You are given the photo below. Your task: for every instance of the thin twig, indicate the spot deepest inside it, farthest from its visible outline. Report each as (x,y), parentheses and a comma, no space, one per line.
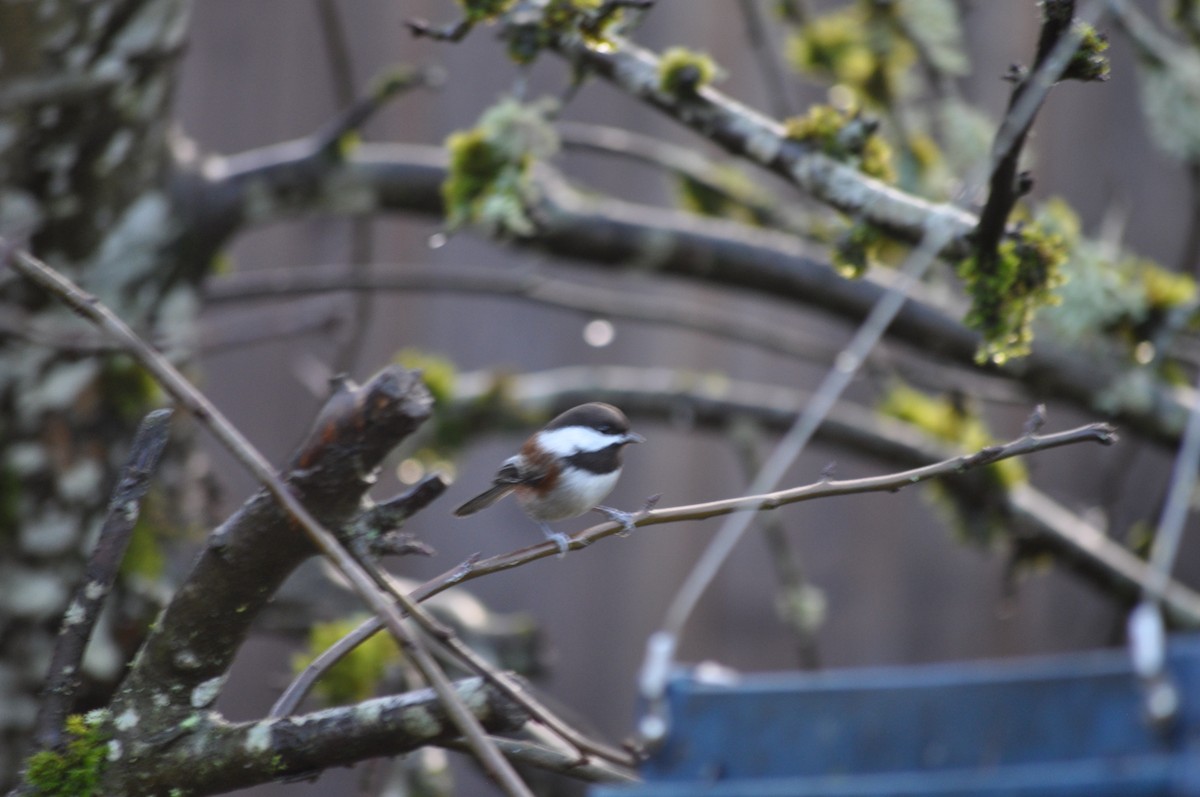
(768,60)
(1095,432)
(341,72)
(507,686)
(1033,506)
(533,286)
(245,453)
(543,757)
(764,206)
(65,673)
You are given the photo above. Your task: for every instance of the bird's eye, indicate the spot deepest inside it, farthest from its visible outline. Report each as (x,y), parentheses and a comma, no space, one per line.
(606,429)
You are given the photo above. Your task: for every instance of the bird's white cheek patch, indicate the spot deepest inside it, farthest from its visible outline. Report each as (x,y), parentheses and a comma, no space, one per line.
(573,439)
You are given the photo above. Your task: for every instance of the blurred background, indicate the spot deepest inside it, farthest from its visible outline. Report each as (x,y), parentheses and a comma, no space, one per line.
(897,586)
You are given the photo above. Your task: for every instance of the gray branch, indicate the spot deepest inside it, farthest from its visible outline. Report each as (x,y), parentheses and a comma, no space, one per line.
(288,179)
(238,755)
(744,132)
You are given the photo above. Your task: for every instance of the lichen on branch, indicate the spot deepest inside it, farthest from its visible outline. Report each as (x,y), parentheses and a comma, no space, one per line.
(1006,296)
(488,182)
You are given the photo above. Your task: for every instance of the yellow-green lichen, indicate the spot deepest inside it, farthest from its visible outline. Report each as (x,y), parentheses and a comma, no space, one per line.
(75,769)
(1090,61)
(1005,298)
(846,136)
(438,373)
(483,10)
(1164,289)
(725,193)
(488,179)
(857,47)
(590,20)
(144,558)
(357,676)
(127,388)
(856,249)
(682,71)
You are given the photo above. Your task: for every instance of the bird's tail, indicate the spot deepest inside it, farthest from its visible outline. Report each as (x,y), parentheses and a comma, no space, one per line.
(483,500)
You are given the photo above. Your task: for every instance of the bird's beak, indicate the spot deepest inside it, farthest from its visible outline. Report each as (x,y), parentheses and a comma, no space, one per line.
(634,437)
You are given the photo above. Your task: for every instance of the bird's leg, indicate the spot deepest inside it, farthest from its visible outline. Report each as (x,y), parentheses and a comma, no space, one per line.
(557,537)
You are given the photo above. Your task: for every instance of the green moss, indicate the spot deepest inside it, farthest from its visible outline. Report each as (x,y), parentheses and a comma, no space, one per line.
(1005,298)
(1164,289)
(488,179)
(876,159)
(475,166)
(527,39)
(438,373)
(727,194)
(858,47)
(357,675)
(75,770)
(483,10)
(846,136)
(682,71)
(975,498)
(144,556)
(127,388)
(1090,61)
(856,249)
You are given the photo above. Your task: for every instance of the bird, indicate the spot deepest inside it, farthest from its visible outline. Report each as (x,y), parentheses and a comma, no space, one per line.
(564,470)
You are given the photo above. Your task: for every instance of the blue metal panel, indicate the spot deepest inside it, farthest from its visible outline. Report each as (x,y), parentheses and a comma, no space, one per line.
(1068,725)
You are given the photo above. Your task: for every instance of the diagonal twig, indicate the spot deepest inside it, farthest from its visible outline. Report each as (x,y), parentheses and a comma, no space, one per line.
(245,453)
(505,684)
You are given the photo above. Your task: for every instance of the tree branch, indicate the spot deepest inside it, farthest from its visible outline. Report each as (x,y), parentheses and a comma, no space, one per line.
(64,676)
(744,132)
(238,755)
(266,185)
(1096,432)
(135,694)
(1081,546)
(539,287)
(1005,188)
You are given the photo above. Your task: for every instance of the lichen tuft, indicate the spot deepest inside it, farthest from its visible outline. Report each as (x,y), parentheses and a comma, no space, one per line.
(76,768)
(682,71)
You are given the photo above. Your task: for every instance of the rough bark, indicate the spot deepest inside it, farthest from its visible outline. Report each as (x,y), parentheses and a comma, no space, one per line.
(84,94)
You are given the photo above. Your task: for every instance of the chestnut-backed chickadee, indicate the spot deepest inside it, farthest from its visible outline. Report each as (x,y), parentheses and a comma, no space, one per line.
(564,470)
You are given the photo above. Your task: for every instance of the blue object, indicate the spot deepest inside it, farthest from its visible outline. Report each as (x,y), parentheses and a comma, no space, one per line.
(1066,725)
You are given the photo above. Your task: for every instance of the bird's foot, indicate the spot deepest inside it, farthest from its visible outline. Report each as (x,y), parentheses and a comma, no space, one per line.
(558,538)
(628,520)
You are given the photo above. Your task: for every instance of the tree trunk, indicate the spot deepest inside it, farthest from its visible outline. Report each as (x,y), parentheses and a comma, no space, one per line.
(84,168)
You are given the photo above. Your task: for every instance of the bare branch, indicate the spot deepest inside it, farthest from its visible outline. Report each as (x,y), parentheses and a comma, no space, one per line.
(662,395)
(64,675)
(768,60)
(543,757)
